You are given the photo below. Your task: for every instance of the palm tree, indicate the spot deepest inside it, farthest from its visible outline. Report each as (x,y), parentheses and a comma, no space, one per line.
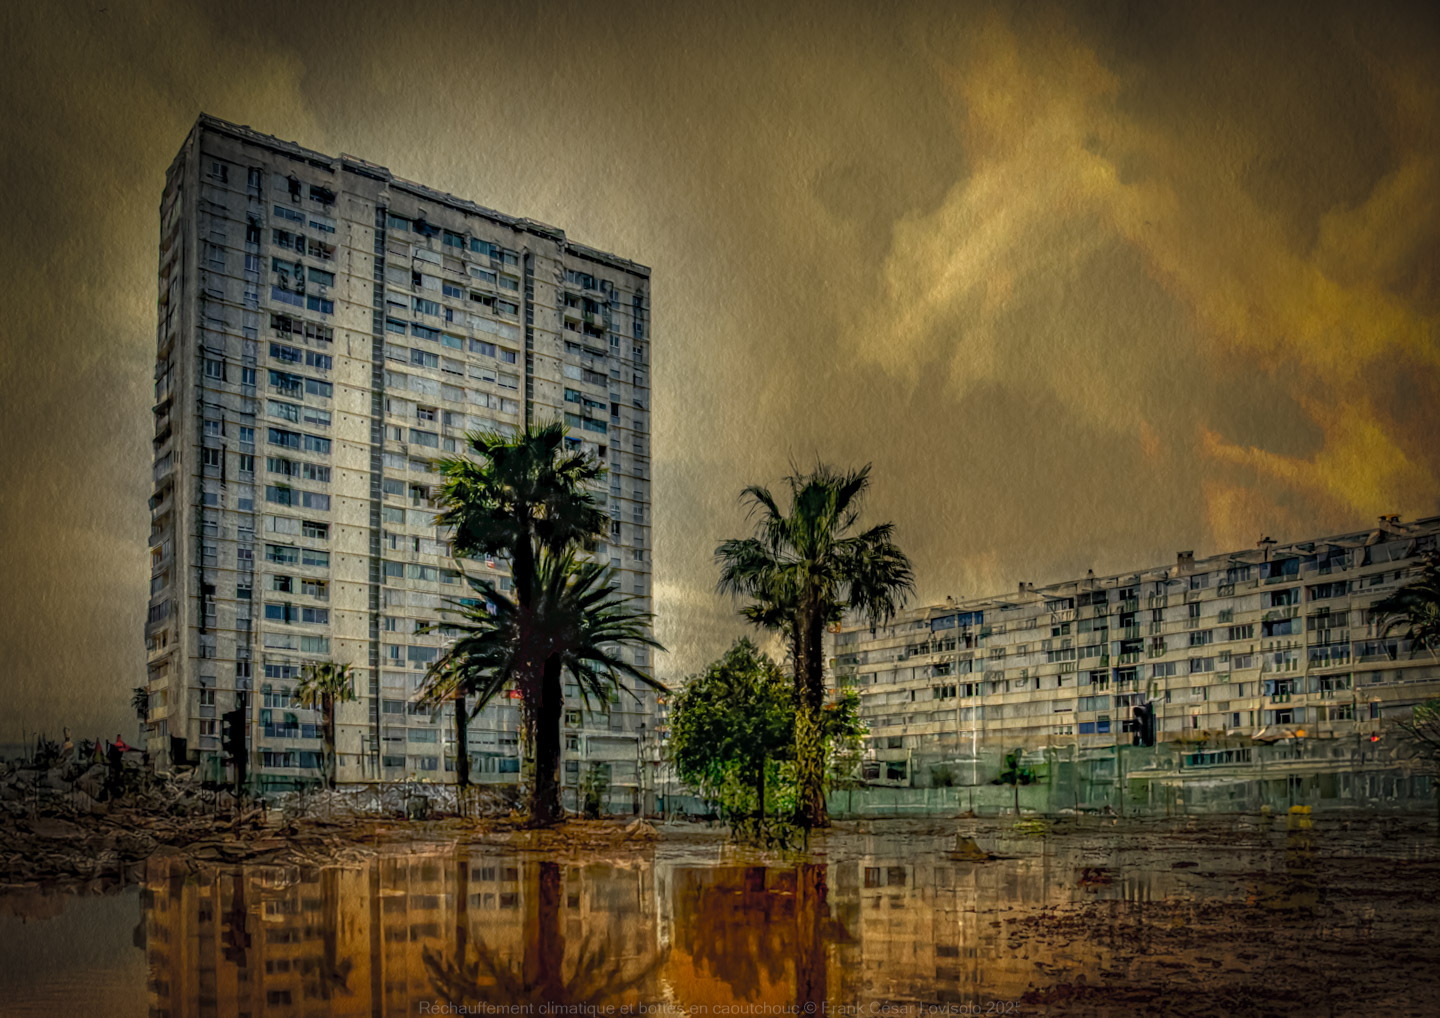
(140,704)
(323,684)
(1416,606)
(802,571)
(522,496)
(577,622)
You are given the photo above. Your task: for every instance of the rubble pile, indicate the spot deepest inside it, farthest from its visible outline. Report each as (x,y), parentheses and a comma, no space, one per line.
(99,822)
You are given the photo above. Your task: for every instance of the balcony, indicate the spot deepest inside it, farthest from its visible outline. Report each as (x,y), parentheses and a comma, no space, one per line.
(1281,613)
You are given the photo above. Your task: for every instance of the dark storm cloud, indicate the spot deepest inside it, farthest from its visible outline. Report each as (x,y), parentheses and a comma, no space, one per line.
(1089,284)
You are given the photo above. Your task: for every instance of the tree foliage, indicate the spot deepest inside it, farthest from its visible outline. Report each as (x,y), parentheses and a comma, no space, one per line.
(323,684)
(1422,731)
(524,499)
(577,623)
(729,723)
(804,569)
(1416,607)
(732,737)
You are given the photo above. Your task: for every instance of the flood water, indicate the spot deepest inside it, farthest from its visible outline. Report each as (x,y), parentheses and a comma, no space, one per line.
(1260,915)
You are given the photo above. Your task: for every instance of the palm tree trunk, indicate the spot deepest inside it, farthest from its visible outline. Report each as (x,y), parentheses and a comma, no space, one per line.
(545,791)
(462,743)
(808,756)
(812,916)
(809,738)
(327,739)
(543,932)
(462,908)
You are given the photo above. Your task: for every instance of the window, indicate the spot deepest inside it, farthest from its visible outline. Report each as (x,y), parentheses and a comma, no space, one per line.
(214,369)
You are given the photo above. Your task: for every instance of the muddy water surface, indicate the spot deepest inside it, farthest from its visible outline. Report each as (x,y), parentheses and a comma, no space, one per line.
(1258,915)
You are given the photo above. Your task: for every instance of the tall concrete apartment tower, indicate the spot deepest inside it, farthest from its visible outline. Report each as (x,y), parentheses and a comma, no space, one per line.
(325,331)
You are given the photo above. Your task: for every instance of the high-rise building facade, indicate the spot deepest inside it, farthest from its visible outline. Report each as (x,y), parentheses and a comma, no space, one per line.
(326,331)
(1271,653)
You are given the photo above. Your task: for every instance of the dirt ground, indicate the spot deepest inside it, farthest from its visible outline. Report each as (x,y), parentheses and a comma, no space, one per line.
(1218,915)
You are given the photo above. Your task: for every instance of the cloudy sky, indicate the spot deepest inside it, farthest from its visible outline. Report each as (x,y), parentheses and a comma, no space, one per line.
(1087,283)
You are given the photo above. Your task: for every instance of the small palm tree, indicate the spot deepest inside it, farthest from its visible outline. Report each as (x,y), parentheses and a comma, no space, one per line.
(1415,606)
(802,571)
(323,684)
(578,622)
(140,704)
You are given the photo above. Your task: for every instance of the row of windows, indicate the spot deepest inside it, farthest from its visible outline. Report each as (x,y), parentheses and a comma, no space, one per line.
(479,346)
(311,302)
(298,440)
(294,355)
(322,223)
(293,613)
(282,554)
(319,589)
(281,495)
(452,239)
(426,359)
(298,468)
(307,331)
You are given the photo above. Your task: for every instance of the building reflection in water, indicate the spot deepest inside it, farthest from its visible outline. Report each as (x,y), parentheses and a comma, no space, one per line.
(918,920)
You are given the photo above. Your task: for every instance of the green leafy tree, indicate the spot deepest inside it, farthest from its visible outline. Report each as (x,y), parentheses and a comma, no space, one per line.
(577,623)
(729,724)
(323,684)
(803,570)
(1416,607)
(844,734)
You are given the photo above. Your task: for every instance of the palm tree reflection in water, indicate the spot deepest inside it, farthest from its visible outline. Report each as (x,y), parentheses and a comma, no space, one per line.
(476,974)
(759,930)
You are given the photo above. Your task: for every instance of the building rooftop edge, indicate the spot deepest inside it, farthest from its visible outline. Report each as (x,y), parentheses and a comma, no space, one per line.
(1248,556)
(364,167)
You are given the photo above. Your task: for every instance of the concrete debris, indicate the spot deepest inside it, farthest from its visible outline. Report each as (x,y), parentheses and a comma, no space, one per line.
(89,821)
(640,828)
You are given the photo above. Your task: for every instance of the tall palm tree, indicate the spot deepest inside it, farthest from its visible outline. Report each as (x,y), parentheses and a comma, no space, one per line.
(577,622)
(323,684)
(519,497)
(1416,606)
(802,571)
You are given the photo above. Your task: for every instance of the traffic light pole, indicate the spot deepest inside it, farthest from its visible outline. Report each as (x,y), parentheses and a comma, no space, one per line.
(236,744)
